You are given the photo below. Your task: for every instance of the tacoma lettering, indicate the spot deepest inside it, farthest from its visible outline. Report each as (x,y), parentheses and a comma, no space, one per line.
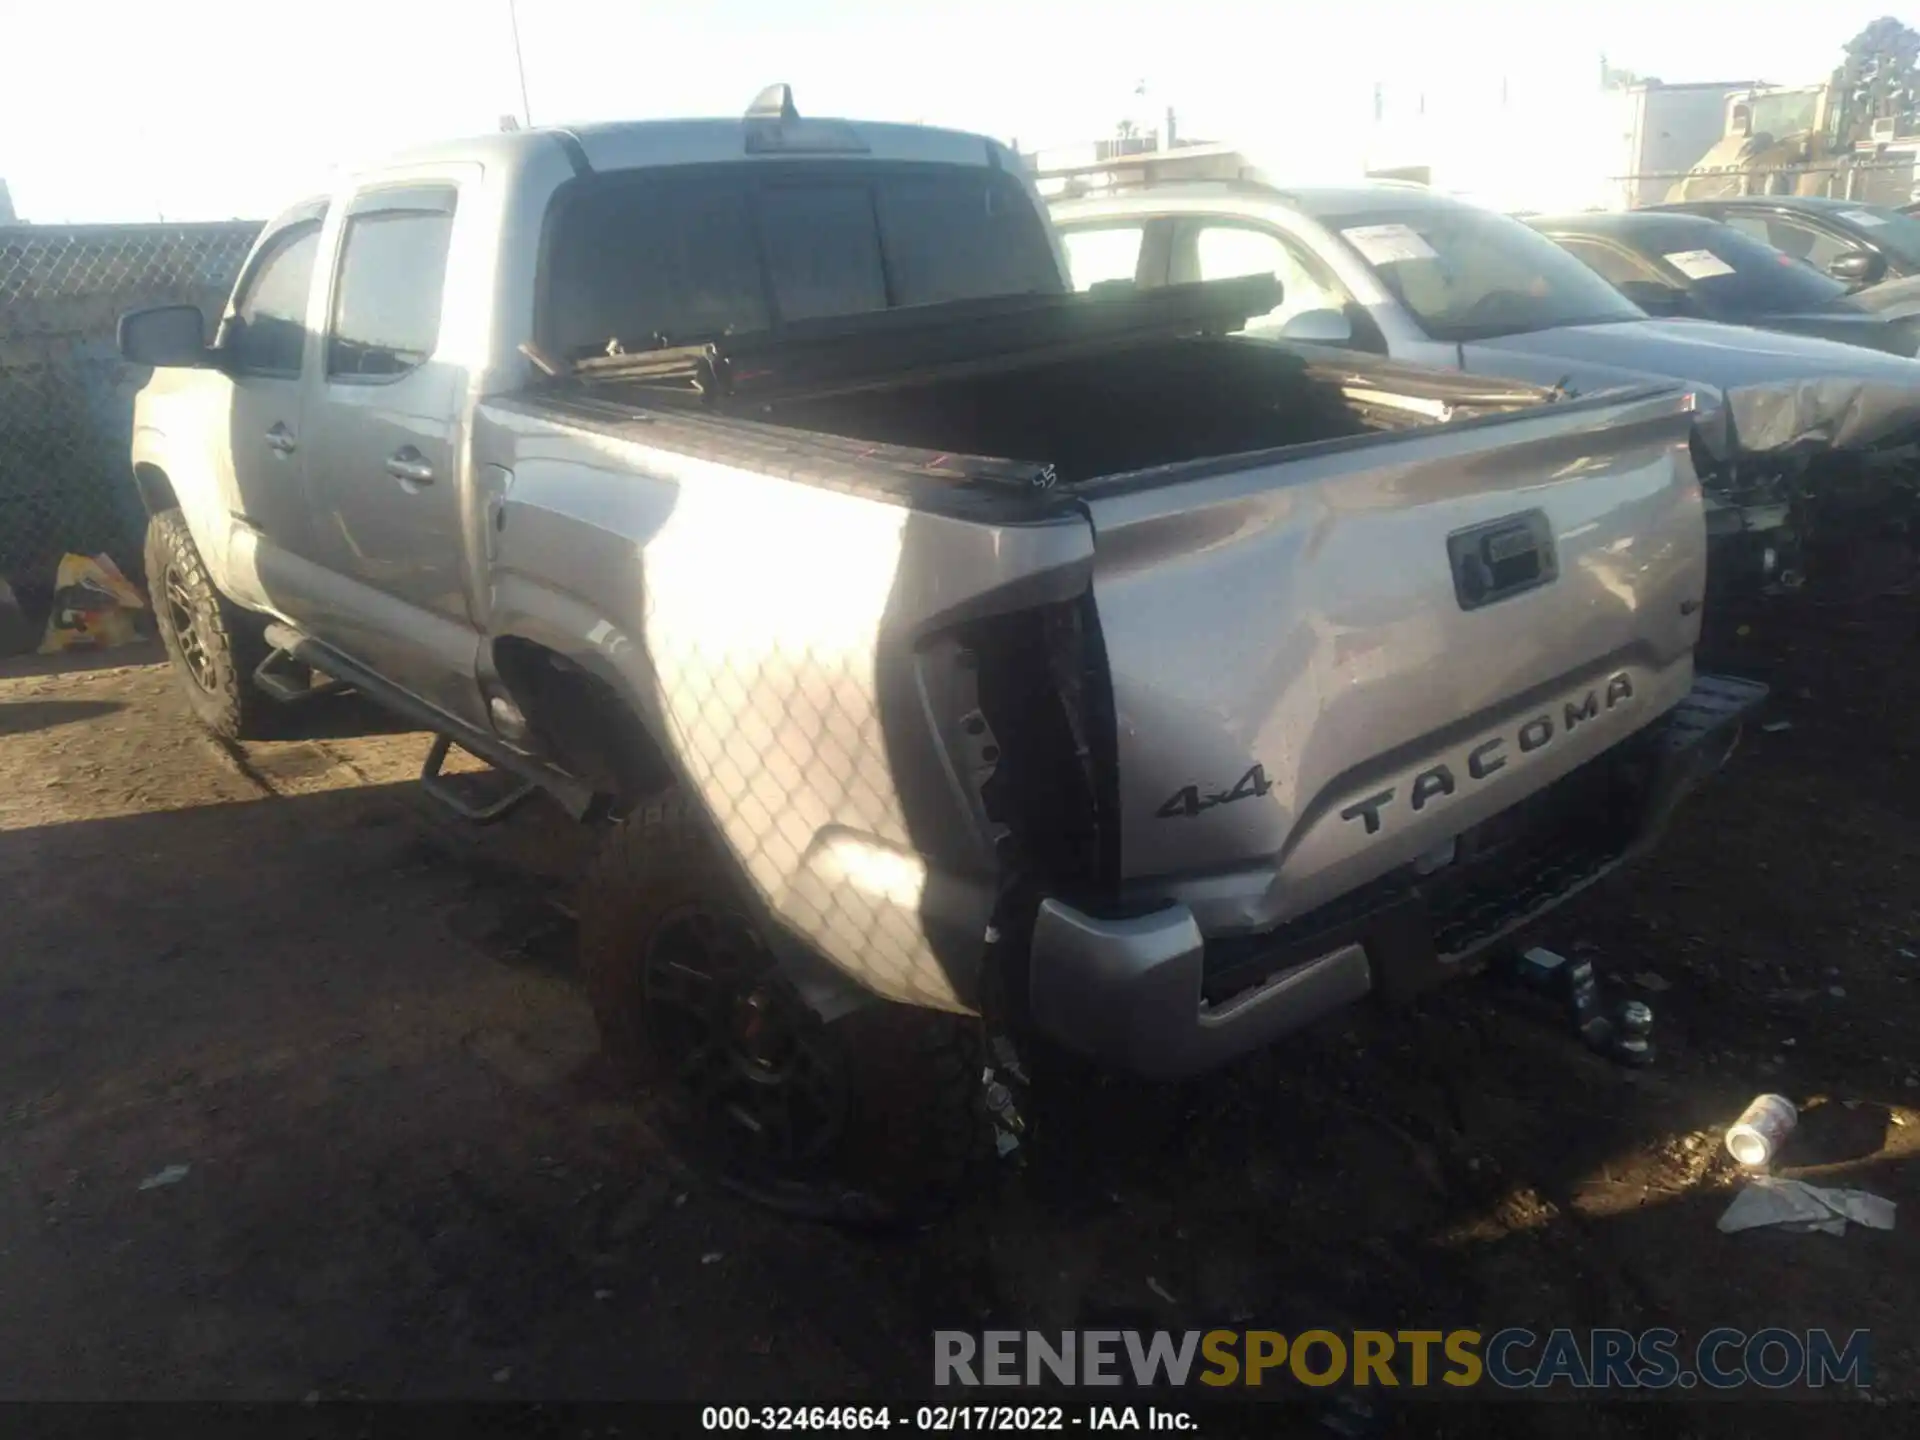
(1536,732)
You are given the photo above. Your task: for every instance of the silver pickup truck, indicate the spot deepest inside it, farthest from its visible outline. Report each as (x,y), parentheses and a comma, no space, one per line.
(928,633)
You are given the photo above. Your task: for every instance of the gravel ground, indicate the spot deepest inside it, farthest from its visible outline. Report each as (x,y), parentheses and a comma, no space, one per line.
(301,1099)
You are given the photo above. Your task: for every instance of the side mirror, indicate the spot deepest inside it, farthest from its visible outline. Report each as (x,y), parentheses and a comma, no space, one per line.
(1651,296)
(1319,327)
(1858,267)
(164,335)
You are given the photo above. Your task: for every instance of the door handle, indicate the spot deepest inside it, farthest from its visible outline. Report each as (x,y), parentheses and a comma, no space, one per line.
(280,439)
(410,465)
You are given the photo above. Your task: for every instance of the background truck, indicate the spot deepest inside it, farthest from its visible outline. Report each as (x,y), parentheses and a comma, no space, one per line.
(958,660)
(1799,440)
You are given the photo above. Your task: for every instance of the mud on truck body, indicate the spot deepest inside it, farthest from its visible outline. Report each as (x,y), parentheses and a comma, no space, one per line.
(958,662)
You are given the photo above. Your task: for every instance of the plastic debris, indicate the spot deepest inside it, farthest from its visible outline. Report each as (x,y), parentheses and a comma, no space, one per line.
(1755,1138)
(713,1257)
(93,606)
(1769,1201)
(1160,1290)
(170,1175)
(1775,727)
(503,1374)
(1649,980)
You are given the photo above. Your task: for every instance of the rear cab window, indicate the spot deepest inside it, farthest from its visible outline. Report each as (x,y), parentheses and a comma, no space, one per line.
(644,261)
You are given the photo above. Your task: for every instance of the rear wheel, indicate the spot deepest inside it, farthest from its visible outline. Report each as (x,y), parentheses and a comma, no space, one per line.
(877,1117)
(214,645)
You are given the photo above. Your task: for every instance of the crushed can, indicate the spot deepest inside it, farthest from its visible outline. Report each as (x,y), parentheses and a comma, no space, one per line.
(1755,1138)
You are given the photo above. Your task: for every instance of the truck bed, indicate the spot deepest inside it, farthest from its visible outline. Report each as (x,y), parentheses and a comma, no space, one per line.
(1091,413)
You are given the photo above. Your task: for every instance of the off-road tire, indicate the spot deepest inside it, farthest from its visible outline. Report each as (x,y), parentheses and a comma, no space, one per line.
(231,642)
(914,1132)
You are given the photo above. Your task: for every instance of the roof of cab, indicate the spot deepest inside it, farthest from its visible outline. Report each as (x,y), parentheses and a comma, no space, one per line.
(637,144)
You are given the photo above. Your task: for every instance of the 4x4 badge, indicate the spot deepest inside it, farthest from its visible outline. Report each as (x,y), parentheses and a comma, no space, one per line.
(1188,800)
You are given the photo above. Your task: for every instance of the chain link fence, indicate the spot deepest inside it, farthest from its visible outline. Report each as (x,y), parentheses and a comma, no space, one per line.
(66,398)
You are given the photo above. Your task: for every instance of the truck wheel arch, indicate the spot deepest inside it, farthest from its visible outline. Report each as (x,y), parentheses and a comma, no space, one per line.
(155,488)
(583,721)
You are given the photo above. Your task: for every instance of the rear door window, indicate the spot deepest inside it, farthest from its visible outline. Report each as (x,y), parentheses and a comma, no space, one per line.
(386,302)
(1102,253)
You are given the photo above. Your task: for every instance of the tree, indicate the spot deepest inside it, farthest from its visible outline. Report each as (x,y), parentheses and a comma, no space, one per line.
(1878,79)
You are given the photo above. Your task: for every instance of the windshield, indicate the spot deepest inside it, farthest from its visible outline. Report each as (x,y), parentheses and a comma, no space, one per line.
(1892,231)
(1734,275)
(636,263)
(1470,274)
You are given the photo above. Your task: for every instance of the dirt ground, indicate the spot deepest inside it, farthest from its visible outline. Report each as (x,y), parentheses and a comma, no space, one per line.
(406,1173)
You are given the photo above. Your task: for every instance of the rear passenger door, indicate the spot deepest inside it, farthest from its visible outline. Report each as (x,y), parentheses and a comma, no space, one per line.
(383,421)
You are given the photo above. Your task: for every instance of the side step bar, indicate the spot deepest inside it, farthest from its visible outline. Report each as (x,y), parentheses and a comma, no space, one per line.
(576,798)
(271,676)
(435,784)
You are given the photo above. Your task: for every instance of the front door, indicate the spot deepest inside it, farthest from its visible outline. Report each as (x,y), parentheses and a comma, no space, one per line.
(381,473)
(263,348)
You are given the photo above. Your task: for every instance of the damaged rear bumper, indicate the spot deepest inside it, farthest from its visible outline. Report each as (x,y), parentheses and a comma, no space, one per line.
(1153,995)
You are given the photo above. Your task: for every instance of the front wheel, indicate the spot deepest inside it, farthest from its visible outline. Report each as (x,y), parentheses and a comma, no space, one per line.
(213,644)
(878,1117)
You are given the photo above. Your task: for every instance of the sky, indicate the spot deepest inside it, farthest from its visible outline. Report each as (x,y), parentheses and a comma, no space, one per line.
(215,109)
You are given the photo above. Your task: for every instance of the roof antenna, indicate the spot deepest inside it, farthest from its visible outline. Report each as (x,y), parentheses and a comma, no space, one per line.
(773,103)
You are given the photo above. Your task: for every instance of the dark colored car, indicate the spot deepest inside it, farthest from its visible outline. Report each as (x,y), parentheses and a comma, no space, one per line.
(1872,249)
(1675,264)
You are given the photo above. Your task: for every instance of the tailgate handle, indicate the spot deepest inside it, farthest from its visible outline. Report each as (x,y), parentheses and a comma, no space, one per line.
(1502,558)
